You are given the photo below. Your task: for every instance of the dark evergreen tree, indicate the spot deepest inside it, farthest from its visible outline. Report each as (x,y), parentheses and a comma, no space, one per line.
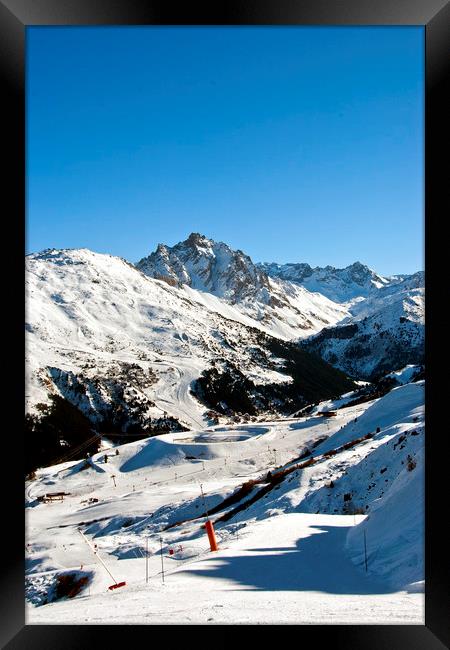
(59,429)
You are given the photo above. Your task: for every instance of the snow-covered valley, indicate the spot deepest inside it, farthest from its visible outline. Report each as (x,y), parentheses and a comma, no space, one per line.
(241,393)
(293,554)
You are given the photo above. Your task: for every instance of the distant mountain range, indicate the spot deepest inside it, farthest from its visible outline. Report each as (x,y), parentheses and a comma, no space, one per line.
(354,318)
(340,285)
(385,332)
(166,341)
(280,308)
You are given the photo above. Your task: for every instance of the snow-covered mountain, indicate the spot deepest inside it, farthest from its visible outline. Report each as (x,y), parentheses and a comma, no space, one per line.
(385,327)
(356,319)
(385,332)
(109,335)
(284,309)
(127,349)
(339,285)
(318,511)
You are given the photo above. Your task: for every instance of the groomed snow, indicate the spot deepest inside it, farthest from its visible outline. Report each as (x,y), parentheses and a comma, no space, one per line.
(294,556)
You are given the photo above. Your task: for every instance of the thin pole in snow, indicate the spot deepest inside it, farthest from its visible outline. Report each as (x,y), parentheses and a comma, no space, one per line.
(96,554)
(365,550)
(204,502)
(162,559)
(146,560)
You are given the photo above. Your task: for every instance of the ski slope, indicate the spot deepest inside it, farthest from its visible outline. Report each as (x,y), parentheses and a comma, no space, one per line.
(90,315)
(295,555)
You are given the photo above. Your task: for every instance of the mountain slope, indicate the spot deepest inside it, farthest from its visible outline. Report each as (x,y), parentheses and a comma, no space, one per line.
(294,555)
(357,320)
(282,308)
(125,348)
(385,333)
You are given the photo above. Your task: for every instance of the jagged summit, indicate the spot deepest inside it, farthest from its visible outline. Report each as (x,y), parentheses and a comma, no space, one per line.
(383,317)
(213,267)
(206,265)
(197,238)
(341,285)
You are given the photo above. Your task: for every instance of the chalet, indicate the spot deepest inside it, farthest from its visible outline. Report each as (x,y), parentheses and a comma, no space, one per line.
(53,496)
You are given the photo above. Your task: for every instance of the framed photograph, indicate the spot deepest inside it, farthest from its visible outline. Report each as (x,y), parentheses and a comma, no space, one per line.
(226,218)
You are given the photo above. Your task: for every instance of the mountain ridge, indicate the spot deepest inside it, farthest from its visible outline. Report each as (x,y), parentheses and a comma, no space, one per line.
(287,310)
(342,285)
(92,318)
(126,349)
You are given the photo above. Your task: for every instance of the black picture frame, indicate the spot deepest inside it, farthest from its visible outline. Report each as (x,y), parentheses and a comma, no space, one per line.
(434,15)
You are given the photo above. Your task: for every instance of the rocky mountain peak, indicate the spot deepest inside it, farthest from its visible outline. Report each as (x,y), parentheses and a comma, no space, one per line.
(360,273)
(207,265)
(197,239)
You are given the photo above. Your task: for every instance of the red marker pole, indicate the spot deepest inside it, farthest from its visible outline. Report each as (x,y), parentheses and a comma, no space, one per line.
(211,535)
(209,526)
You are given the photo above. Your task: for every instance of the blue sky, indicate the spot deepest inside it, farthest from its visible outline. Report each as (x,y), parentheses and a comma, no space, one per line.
(290,143)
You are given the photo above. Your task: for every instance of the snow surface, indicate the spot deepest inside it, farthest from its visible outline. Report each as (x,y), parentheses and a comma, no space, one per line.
(294,556)
(88,313)
(404,375)
(384,332)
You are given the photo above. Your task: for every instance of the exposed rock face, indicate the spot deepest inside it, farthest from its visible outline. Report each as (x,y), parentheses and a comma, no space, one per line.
(210,266)
(283,308)
(340,285)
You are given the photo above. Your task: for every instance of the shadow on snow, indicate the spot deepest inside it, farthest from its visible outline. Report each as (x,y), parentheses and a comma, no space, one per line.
(317,563)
